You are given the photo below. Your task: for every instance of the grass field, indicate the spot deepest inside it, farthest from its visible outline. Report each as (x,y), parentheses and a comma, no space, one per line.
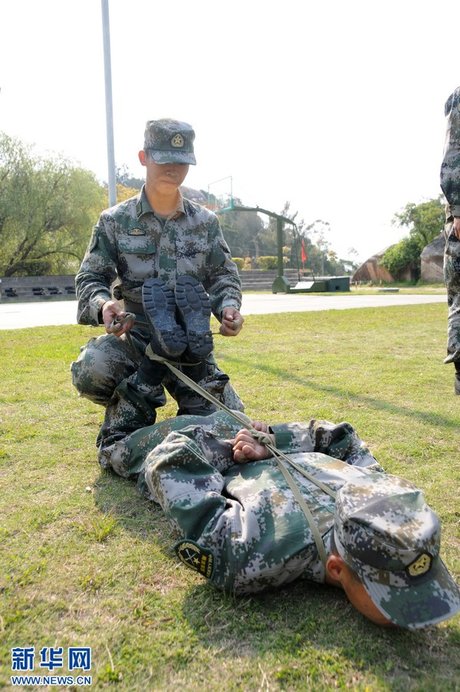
(85,561)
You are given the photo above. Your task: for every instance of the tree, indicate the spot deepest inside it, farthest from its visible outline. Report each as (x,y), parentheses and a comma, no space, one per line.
(124,192)
(321,258)
(47,208)
(402,257)
(424,221)
(126,179)
(244,232)
(319,230)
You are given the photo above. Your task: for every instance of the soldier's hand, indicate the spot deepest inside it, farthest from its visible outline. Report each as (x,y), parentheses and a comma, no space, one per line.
(232,322)
(113,317)
(246,448)
(260,426)
(457,226)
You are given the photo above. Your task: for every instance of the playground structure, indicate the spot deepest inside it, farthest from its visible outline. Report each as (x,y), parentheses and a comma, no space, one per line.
(320,284)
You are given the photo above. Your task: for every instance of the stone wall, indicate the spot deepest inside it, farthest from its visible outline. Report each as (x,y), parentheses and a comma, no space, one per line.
(28,288)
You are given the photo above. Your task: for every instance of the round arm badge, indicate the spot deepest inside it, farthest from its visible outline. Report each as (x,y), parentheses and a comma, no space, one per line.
(194,556)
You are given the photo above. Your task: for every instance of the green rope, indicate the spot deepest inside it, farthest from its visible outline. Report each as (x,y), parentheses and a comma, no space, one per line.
(266,440)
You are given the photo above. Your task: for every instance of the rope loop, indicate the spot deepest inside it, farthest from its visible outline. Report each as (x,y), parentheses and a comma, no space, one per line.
(266,440)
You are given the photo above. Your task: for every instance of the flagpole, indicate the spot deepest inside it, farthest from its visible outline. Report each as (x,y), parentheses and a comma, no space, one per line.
(108,104)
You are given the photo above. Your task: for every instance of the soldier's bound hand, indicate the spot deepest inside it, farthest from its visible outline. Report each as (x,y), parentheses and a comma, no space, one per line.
(246,448)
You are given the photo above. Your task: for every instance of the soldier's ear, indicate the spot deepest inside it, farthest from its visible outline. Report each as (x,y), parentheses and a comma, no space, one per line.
(142,157)
(335,569)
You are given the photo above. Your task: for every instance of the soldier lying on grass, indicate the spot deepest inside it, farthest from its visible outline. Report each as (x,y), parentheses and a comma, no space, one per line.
(242,526)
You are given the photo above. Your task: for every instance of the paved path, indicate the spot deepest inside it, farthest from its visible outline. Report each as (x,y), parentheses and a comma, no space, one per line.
(43,313)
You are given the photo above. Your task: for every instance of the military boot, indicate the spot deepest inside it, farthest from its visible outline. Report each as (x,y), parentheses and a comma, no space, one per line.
(168,339)
(194,310)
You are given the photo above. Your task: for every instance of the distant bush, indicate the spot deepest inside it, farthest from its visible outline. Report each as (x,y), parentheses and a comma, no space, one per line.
(267,262)
(239,261)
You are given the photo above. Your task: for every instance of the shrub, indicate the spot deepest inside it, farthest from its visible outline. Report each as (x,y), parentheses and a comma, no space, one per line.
(267,262)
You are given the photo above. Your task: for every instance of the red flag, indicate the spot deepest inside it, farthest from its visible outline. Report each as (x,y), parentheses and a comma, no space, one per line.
(303,252)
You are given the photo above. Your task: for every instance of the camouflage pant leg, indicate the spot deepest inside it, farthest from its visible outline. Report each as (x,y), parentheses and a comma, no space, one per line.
(230,398)
(213,380)
(132,408)
(452,280)
(107,360)
(102,364)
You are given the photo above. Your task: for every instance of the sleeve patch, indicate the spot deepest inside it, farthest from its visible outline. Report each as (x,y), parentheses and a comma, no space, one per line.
(194,556)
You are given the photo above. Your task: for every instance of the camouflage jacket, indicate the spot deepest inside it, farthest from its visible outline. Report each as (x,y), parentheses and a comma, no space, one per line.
(130,244)
(450,167)
(239,524)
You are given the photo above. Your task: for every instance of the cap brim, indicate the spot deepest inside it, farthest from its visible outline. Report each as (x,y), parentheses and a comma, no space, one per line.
(423,603)
(173,157)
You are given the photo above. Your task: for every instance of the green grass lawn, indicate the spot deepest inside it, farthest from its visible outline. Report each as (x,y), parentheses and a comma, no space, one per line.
(85,561)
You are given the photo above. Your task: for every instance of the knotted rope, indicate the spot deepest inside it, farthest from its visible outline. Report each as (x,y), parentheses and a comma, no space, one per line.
(265,439)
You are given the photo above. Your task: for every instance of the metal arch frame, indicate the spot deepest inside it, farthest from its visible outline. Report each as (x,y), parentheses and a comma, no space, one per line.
(280,284)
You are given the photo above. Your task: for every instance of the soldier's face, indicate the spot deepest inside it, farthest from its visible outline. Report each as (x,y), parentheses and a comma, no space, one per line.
(360,599)
(339,574)
(164,177)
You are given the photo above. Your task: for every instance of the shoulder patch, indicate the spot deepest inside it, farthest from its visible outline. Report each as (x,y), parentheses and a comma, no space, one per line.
(194,556)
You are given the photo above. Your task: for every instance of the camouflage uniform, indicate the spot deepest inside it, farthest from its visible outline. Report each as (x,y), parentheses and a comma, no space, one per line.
(129,244)
(242,528)
(450,184)
(186,465)
(241,525)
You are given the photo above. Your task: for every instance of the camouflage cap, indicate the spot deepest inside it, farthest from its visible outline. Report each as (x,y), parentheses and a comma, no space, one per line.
(169,141)
(387,534)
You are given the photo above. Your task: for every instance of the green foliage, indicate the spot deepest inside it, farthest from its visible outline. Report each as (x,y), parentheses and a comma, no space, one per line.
(245,233)
(321,258)
(425,222)
(239,261)
(402,257)
(47,208)
(251,235)
(125,179)
(267,262)
(124,192)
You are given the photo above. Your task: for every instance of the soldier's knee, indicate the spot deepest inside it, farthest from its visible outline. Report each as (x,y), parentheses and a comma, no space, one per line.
(218,384)
(231,399)
(100,367)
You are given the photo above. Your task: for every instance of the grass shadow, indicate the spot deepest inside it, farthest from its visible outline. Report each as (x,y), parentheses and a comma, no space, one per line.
(429,418)
(309,623)
(119,498)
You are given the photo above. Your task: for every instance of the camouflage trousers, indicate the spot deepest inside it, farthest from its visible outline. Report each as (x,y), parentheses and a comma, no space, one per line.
(107,360)
(452,280)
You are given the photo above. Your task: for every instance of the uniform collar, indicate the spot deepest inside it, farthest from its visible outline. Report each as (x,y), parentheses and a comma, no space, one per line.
(143,206)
